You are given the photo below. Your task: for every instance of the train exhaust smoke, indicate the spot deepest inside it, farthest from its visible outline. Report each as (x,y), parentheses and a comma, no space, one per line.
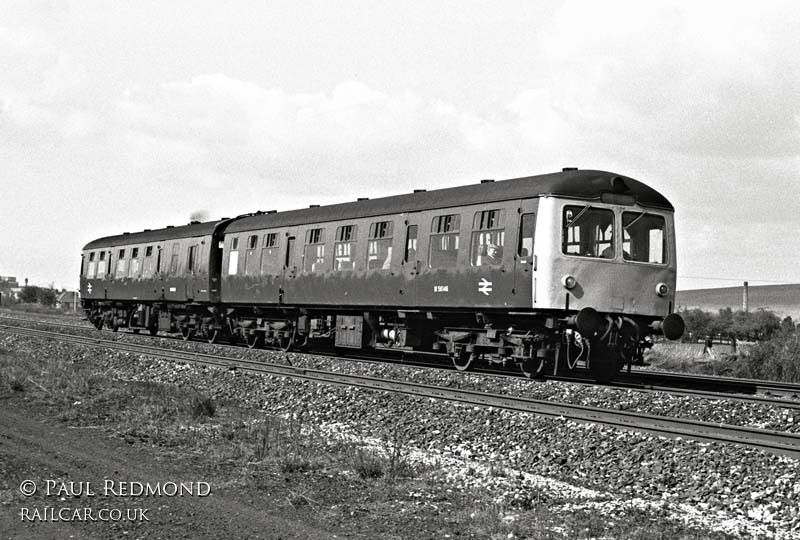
(199,215)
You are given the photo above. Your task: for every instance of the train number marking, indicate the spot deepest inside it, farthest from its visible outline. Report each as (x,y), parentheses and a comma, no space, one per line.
(441,288)
(485,286)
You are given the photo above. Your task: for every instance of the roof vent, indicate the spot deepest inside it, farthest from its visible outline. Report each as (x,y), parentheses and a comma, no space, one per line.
(362,199)
(487,181)
(123,234)
(170,226)
(223,219)
(193,222)
(420,190)
(270,211)
(313,206)
(565,169)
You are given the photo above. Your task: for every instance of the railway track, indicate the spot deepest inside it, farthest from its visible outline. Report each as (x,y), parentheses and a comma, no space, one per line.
(771,441)
(773,393)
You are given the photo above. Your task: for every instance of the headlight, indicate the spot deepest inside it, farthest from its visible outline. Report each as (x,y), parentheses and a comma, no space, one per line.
(568,282)
(662,289)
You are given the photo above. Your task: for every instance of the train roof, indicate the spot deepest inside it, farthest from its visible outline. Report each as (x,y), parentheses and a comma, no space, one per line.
(158,235)
(585,185)
(574,184)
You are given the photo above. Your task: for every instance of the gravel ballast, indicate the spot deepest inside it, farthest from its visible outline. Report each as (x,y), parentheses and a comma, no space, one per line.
(721,486)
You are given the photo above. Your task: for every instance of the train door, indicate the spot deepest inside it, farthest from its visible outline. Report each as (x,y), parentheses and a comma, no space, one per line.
(289,271)
(410,263)
(524,260)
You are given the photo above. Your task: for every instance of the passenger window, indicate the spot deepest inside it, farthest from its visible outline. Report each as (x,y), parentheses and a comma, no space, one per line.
(344,249)
(91,270)
(379,246)
(488,238)
(233,257)
(411,243)
(173,264)
(314,252)
(270,255)
(135,266)
(444,241)
(643,237)
(101,264)
(588,232)
(191,259)
(252,258)
(527,229)
(122,265)
(148,266)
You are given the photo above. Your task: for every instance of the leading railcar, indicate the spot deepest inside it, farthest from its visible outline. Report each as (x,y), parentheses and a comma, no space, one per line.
(567,271)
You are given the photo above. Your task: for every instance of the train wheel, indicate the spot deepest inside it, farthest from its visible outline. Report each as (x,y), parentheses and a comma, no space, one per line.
(136,330)
(186,333)
(254,340)
(154,331)
(98,323)
(463,359)
(115,327)
(212,336)
(532,367)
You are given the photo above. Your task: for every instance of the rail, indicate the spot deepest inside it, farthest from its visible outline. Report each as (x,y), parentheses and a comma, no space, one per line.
(772,441)
(772,393)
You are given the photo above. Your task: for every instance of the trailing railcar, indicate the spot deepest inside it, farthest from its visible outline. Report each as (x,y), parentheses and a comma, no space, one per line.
(149,280)
(571,270)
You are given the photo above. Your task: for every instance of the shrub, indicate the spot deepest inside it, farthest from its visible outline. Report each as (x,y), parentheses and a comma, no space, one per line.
(368,463)
(776,359)
(203,406)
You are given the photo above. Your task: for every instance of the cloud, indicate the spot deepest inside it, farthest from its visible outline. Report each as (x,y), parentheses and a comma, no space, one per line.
(660,75)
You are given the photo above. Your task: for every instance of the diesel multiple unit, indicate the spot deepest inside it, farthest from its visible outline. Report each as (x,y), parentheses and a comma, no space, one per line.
(571,270)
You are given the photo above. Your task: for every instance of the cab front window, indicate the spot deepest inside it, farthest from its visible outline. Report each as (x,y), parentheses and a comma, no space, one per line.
(643,238)
(588,232)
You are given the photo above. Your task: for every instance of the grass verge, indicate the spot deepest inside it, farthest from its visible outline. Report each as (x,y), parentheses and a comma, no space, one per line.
(369,491)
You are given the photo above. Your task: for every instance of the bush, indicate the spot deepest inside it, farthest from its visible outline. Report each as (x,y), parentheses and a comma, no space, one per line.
(775,359)
(203,406)
(368,463)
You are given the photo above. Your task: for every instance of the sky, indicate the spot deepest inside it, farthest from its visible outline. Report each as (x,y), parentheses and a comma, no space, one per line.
(120,116)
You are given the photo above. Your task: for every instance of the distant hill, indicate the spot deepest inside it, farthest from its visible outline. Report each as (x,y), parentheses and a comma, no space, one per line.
(782,299)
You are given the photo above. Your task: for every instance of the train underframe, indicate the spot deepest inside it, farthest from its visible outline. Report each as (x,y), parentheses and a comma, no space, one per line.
(539,344)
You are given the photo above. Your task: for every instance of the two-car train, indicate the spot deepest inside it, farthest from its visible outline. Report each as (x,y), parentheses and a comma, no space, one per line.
(564,271)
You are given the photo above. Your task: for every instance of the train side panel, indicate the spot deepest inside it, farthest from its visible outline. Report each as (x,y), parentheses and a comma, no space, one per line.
(437,259)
